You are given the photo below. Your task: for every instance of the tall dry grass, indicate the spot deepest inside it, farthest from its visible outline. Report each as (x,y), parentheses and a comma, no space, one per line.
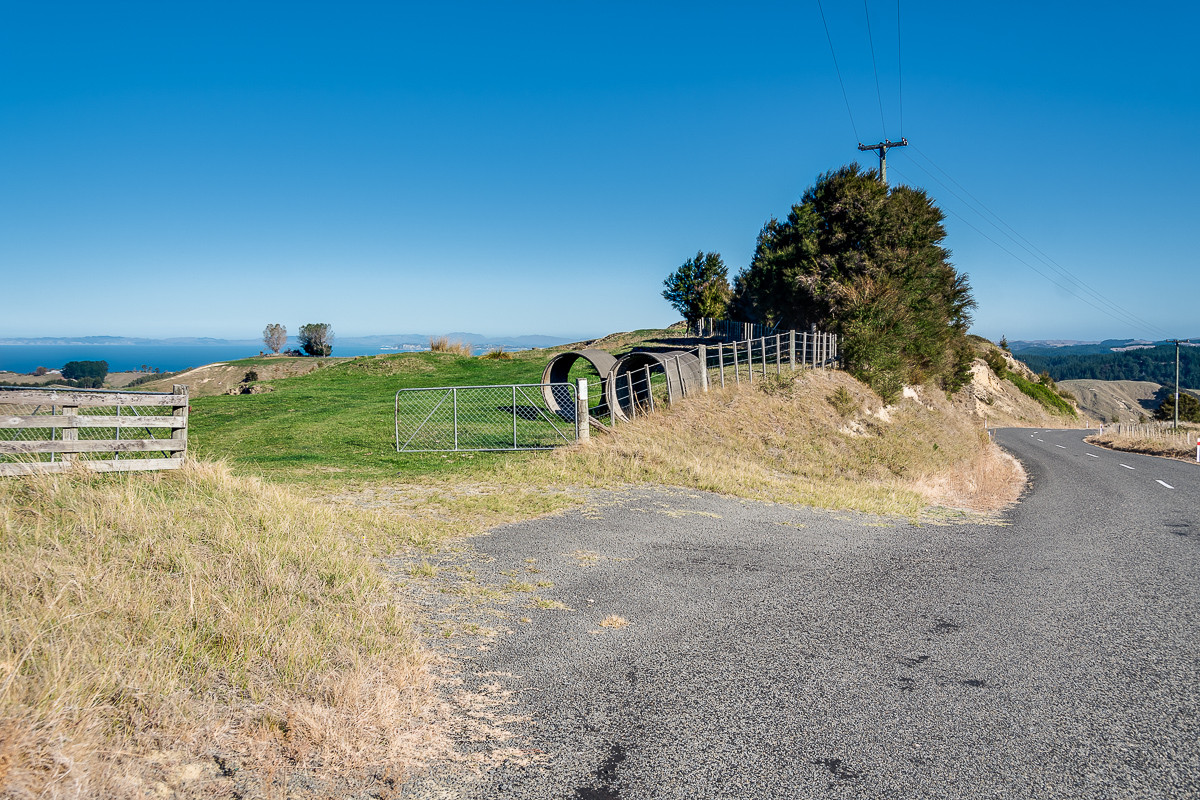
(823,440)
(157,626)
(1151,440)
(442,344)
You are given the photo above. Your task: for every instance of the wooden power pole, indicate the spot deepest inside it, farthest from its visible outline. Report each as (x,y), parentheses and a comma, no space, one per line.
(1177,343)
(882,147)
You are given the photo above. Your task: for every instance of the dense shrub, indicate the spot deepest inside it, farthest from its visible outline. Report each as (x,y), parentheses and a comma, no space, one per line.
(867,262)
(1043,394)
(79,370)
(997,363)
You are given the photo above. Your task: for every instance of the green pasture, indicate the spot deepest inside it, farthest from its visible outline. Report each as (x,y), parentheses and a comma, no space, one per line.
(337,423)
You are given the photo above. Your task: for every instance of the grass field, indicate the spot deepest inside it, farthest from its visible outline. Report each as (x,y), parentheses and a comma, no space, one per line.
(336,424)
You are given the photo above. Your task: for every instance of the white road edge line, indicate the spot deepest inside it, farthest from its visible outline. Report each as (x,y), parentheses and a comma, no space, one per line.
(1091,455)
(1126,466)
(1164,483)
(1059,445)
(1043,441)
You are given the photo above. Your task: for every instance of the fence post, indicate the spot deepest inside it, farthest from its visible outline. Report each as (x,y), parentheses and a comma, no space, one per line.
(632,396)
(737,375)
(750,360)
(649,388)
(763,345)
(835,347)
(181,410)
(792,349)
(582,431)
(813,338)
(514,388)
(721,362)
(778,355)
(679,372)
(703,368)
(69,432)
(454,391)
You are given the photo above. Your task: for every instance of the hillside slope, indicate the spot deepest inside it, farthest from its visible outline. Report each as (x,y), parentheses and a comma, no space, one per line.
(1000,402)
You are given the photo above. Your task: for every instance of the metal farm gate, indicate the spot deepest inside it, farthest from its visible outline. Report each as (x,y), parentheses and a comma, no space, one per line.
(475,418)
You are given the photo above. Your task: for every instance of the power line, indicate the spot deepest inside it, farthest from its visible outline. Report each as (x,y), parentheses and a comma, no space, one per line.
(878,92)
(1027,245)
(845,97)
(1117,313)
(899,69)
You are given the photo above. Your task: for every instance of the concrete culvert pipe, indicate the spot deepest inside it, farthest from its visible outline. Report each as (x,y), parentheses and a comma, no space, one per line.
(682,372)
(559,371)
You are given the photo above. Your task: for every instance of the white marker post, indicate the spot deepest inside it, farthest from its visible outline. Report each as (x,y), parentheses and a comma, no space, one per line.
(1198,449)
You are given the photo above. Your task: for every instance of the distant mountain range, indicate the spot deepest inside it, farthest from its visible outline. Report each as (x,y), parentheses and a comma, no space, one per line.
(398,341)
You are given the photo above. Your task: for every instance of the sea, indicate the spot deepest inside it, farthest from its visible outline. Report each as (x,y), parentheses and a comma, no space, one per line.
(25,358)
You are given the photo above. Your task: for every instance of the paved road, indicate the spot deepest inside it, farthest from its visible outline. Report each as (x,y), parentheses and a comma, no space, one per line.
(788,653)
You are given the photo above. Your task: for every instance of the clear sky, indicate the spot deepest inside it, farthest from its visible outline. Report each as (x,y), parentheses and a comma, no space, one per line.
(188,168)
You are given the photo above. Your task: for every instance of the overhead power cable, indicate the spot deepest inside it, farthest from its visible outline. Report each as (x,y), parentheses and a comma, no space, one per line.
(1028,246)
(899,69)
(874,66)
(1113,311)
(838,69)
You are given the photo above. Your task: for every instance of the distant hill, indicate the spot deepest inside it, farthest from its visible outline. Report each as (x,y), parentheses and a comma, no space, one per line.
(1119,401)
(1154,363)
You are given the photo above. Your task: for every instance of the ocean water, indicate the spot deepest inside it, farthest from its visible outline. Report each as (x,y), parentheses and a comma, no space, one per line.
(123,358)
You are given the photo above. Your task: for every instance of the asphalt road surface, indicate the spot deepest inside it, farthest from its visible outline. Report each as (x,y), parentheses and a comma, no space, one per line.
(775,652)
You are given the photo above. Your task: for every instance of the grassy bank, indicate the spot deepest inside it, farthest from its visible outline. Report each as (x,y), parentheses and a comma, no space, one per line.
(1150,441)
(225,631)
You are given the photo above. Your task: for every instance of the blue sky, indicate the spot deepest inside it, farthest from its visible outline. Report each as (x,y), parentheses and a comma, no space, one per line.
(206,168)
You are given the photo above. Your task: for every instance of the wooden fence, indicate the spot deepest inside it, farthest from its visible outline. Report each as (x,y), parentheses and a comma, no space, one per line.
(55,429)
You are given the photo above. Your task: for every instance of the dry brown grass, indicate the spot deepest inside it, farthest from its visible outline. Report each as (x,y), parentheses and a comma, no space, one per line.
(158,625)
(442,344)
(794,446)
(497,354)
(1165,443)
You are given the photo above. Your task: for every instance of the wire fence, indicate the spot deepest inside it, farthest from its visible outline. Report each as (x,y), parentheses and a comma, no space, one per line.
(728,329)
(642,382)
(49,430)
(541,416)
(478,418)
(1163,431)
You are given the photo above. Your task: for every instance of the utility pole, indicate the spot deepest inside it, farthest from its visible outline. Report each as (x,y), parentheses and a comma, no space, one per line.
(882,147)
(1177,341)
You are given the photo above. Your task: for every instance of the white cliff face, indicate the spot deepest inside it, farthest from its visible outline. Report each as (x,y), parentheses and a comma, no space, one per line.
(1001,403)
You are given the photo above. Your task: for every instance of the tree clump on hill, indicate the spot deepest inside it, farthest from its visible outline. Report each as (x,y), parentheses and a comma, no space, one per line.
(316,338)
(867,263)
(699,288)
(85,374)
(1189,408)
(275,336)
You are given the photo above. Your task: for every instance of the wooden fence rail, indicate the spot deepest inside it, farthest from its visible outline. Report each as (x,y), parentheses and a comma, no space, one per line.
(55,429)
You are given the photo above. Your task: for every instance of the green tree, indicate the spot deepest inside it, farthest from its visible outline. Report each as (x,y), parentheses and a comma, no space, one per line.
(86,374)
(316,338)
(1189,408)
(699,288)
(1004,343)
(868,263)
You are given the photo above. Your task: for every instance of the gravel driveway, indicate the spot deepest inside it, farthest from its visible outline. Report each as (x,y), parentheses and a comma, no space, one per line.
(713,647)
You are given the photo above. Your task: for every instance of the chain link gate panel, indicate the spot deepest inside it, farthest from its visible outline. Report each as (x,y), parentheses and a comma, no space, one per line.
(509,417)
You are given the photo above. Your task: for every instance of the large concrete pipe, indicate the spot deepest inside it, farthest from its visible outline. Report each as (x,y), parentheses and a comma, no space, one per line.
(681,368)
(559,369)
